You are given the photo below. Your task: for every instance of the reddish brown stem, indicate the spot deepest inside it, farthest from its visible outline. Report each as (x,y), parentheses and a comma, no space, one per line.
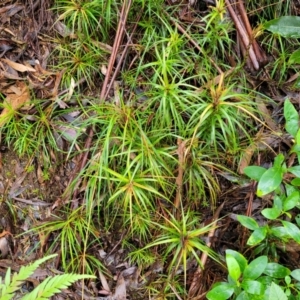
(243,34)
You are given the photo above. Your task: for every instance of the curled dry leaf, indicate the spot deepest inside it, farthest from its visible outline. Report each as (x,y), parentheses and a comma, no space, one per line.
(16,96)
(17,66)
(3,247)
(120,292)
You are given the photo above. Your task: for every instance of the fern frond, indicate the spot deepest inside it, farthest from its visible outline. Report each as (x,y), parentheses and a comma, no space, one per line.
(54,285)
(11,286)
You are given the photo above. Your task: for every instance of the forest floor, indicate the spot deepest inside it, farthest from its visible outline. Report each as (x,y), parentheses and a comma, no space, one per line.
(42,155)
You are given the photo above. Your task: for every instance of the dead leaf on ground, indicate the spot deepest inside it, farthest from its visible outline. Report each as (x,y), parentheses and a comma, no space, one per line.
(120,292)
(16,96)
(3,247)
(17,66)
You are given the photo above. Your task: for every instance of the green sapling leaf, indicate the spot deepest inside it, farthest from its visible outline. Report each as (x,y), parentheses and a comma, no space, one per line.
(280,232)
(271,213)
(295,182)
(255,268)
(298,138)
(296,274)
(296,149)
(276,292)
(257,236)
(291,118)
(292,230)
(242,261)
(221,291)
(297,218)
(294,58)
(276,270)
(244,296)
(248,222)
(278,201)
(291,201)
(295,170)
(253,287)
(233,267)
(254,172)
(286,26)
(278,161)
(288,280)
(269,181)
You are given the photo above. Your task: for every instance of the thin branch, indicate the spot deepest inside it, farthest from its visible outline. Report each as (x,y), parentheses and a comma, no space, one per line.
(194,285)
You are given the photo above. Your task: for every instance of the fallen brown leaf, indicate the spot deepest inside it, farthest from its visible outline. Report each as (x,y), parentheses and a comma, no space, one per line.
(16,96)
(17,66)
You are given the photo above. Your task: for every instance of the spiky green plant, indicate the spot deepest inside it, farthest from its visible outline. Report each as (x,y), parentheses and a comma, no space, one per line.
(80,59)
(223,118)
(87,17)
(180,240)
(75,232)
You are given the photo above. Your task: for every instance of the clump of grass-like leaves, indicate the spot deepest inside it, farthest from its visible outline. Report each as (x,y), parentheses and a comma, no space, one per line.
(75,233)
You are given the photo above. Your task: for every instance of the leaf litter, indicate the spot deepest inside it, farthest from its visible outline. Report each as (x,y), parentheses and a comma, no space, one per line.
(23,73)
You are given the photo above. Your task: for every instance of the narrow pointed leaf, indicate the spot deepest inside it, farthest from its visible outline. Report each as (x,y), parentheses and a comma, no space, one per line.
(291,118)
(233,267)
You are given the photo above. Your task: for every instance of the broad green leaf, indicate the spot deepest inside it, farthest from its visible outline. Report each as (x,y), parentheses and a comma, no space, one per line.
(242,261)
(253,287)
(259,248)
(244,296)
(257,236)
(297,219)
(220,292)
(271,213)
(296,148)
(292,230)
(276,292)
(276,270)
(233,267)
(294,58)
(291,118)
(254,172)
(269,181)
(280,232)
(295,170)
(287,26)
(248,222)
(298,139)
(266,280)
(289,189)
(295,182)
(296,274)
(278,161)
(291,201)
(278,201)
(255,268)
(288,280)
